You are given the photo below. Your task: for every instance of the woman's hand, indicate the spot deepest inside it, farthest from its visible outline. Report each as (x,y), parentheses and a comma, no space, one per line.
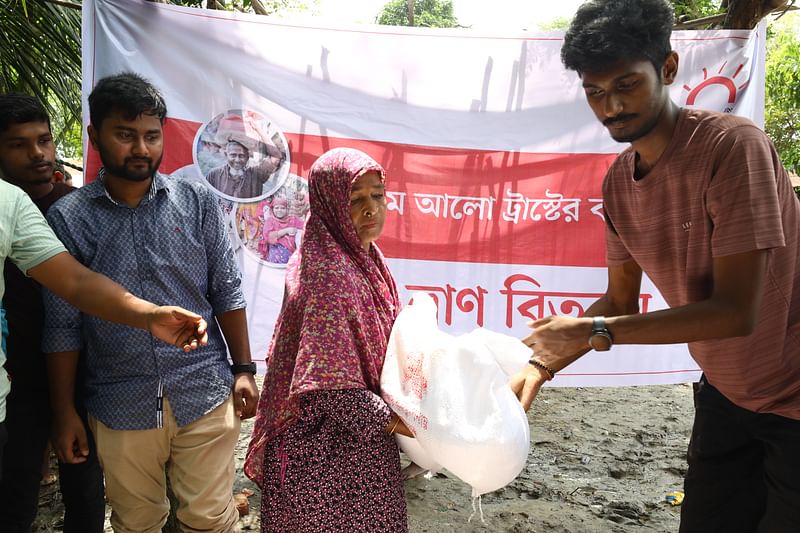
(526,384)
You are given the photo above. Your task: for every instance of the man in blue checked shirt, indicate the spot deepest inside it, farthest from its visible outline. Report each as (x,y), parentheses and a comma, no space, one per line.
(150,407)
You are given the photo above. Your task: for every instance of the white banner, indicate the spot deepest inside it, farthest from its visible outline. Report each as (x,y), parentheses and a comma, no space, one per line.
(493,157)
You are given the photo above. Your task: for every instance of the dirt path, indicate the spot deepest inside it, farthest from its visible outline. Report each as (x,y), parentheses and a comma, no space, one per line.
(601,460)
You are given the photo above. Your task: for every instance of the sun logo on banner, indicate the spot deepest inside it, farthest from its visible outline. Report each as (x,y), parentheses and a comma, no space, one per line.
(728,82)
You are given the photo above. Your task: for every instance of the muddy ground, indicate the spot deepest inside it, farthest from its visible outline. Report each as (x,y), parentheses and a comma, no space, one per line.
(601,460)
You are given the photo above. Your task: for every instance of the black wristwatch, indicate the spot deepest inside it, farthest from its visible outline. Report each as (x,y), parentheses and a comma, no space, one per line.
(250,368)
(600,339)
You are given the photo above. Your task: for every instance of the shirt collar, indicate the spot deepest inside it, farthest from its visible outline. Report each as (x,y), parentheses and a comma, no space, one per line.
(98,188)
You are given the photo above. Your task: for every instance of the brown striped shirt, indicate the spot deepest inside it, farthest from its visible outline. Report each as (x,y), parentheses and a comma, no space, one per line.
(718,189)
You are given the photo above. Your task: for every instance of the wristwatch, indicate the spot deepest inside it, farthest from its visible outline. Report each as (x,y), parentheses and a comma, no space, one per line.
(600,339)
(250,368)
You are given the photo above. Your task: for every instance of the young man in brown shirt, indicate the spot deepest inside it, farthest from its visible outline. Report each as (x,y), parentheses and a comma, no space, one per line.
(722,248)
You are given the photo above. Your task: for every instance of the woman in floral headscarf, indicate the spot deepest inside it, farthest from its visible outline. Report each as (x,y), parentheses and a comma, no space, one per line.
(322,450)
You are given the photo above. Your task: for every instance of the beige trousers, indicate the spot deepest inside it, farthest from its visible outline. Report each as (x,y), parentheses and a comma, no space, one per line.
(198,459)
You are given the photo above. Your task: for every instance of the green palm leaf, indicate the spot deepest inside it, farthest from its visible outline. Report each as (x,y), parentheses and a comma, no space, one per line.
(40,54)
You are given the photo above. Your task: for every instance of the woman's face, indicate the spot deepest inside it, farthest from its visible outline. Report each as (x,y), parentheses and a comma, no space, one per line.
(368,207)
(279,210)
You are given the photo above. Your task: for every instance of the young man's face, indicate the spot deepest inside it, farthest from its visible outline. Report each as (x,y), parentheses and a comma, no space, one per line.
(629,98)
(27,153)
(129,149)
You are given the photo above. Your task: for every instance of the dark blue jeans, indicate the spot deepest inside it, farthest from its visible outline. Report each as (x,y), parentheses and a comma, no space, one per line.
(744,469)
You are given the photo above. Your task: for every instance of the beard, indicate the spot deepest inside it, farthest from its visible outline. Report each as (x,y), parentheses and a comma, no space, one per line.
(646,128)
(125,171)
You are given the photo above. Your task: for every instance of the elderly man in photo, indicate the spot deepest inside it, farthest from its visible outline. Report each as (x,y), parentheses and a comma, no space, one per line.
(240,179)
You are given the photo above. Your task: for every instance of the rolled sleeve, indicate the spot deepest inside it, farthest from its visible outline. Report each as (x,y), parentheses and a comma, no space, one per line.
(63,328)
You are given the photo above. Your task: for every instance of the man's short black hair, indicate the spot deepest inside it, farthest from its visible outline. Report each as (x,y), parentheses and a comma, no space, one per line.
(128,93)
(605,32)
(18,108)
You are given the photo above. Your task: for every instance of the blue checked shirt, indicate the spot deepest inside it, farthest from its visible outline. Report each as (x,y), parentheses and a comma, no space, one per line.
(172,249)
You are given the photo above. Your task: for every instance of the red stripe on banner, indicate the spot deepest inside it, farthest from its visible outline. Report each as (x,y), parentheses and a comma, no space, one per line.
(458,203)
(464,205)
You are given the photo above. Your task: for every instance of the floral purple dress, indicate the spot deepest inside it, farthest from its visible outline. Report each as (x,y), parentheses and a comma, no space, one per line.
(335,469)
(320,451)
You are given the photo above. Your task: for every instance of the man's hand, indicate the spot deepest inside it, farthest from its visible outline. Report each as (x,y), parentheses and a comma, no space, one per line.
(69,437)
(526,384)
(179,327)
(245,395)
(556,340)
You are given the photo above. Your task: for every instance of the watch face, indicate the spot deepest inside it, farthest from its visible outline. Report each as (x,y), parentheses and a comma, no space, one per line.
(600,342)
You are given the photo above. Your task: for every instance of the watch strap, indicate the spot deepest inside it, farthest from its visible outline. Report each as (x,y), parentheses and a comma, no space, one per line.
(241,368)
(599,325)
(599,329)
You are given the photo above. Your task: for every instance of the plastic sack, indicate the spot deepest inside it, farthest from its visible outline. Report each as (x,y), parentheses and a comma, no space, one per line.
(453,393)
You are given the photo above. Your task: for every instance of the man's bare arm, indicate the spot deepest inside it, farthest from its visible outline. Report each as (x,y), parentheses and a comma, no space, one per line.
(97,295)
(731,310)
(245,391)
(622,297)
(69,435)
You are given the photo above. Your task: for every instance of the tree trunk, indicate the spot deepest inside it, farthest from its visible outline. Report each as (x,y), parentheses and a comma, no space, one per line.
(746,14)
(410,12)
(259,8)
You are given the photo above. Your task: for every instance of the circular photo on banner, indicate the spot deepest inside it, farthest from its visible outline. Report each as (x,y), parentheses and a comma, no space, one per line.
(242,155)
(272,229)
